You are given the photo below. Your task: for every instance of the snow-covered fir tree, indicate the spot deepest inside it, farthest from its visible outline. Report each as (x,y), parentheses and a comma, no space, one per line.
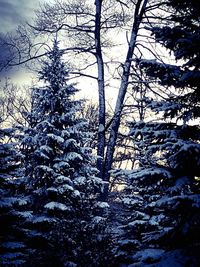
(13,251)
(180,147)
(158,194)
(65,222)
(162,198)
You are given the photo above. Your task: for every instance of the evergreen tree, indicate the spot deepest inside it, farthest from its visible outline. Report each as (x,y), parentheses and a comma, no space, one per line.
(12,247)
(182,39)
(65,225)
(180,148)
(162,197)
(158,195)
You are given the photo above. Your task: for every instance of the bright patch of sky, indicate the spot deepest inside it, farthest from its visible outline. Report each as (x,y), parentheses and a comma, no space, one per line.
(13,12)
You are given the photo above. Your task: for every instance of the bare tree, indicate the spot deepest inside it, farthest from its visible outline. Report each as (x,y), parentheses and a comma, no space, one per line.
(14,103)
(88,30)
(138,16)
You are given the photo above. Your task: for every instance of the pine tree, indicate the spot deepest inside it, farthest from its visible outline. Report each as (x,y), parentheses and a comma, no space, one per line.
(163,195)
(181,145)
(156,225)
(182,39)
(66,225)
(13,251)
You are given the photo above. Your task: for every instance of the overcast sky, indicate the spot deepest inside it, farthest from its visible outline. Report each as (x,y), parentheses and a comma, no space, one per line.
(12,12)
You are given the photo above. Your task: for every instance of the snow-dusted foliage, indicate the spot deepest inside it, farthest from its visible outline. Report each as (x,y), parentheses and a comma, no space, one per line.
(12,248)
(161,200)
(61,178)
(180,148)
(181,38)
(162,196)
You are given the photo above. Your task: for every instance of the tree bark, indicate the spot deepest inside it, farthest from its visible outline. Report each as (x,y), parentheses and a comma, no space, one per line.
(138,16)
(101,89)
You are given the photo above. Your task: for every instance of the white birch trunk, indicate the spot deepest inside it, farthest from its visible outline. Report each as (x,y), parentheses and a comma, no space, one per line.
(138,16)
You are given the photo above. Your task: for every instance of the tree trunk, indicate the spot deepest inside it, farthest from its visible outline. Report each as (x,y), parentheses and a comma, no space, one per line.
(138,16)
(101,88)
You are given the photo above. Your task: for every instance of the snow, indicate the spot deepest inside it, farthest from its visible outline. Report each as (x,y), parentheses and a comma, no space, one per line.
(101,128)
(70,264)
(148,255)
(9,201)
(12,255)
(73,156)
(143,173)
(13,245)
(102,205)
(15,262)
(42,219)
(56,205)
(98,181)
(46,148)
(155,220)
(56,138)
(61,165)
(42,155)
(98,219)
(137,222)
(194,199)
(65,133)
(81,180)
(188,146)
(128,241)
(177,258)
(129,201)
(64,188)
(142,215)
(52,189)
(46,168)
(70,142)
(61,179)
(76,193)
(24,214)
(45,123)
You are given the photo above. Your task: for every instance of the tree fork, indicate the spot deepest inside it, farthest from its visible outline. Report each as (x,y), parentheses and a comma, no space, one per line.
(138,15)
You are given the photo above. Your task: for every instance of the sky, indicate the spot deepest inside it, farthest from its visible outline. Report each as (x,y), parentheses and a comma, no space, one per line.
(13,13)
